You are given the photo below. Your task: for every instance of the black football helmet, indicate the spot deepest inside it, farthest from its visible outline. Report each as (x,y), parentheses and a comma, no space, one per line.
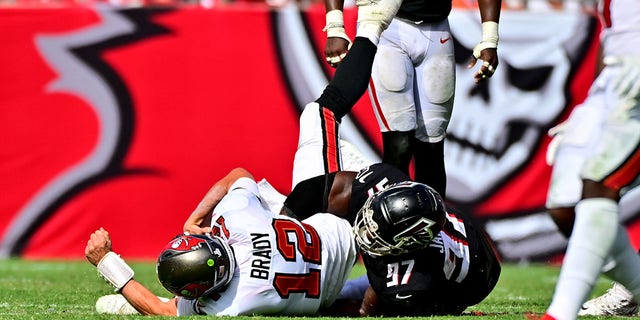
(192,266)
(401,218)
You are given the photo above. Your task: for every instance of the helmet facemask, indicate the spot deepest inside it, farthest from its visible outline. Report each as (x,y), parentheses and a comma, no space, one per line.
(402,218)
(365,230)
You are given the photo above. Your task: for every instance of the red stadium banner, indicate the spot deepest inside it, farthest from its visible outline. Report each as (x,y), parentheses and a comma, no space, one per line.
(123,118)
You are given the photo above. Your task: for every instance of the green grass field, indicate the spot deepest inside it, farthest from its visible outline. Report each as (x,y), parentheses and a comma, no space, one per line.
(69,289)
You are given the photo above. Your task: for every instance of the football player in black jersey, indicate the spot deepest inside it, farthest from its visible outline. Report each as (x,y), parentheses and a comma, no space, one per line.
(413,78)
(427,45)
(408,273)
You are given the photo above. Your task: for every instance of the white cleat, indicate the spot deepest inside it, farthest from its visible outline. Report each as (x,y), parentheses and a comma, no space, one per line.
(352,157)
(617,301)
(117,304)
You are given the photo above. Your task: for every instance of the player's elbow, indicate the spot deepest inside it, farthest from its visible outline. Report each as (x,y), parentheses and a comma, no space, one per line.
(240,172)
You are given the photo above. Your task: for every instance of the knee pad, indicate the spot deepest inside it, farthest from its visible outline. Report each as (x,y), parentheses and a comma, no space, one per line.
(439,78)
(392,70)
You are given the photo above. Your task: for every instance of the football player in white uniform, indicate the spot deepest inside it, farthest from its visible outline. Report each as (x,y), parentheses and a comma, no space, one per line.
(251,261)
(596,158)
(413,79)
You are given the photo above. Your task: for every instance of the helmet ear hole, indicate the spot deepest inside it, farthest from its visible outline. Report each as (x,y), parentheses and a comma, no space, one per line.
(191,266)
(405,216)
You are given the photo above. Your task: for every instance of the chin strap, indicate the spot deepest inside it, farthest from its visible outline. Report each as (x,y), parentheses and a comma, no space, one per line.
(114,270)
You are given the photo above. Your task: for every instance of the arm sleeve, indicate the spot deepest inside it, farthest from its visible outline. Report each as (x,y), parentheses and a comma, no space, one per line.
(351,79)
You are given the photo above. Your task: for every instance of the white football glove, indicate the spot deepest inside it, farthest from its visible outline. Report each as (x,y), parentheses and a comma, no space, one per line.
(627,82)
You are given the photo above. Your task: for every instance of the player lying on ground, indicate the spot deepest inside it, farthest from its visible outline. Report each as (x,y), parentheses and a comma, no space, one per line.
(297,267)
(436,282)
(411,272)
(462,269)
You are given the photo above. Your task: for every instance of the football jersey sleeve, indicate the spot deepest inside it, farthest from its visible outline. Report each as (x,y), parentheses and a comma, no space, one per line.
(246,184)
(239,196)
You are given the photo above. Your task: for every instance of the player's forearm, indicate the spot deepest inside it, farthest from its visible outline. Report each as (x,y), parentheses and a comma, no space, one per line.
(214,196)
(369,303)
(490,10)
(490,16)
(205,207)
(333,5)
(146,302)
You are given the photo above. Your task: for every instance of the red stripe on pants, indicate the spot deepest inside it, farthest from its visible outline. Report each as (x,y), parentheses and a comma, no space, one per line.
(376,104)
(330,128)
(626,173)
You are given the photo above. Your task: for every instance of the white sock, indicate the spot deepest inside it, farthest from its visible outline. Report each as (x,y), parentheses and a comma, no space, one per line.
(626,263)
(593,234)
(352,157)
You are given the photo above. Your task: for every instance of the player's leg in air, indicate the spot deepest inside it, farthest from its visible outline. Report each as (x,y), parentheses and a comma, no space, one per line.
(322,117)
(318,144)
(352,75)
(347,86)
